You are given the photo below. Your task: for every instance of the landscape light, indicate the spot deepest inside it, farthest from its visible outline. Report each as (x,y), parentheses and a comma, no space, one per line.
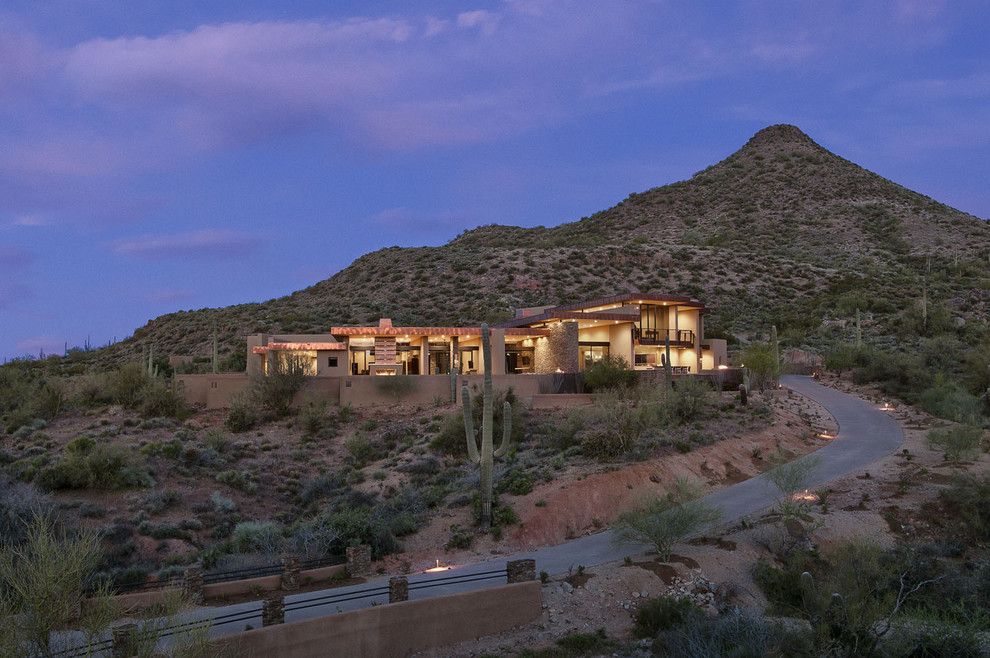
(805,497)
(438,568)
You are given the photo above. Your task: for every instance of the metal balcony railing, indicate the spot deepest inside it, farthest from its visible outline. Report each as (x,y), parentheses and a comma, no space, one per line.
(658,336)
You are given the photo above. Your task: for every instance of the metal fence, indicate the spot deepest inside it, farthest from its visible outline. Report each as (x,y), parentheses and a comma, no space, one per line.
(212,577)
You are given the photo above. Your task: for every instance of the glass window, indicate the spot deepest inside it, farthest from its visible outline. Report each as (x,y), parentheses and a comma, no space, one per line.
(331,362)
(519,359)
(589,353)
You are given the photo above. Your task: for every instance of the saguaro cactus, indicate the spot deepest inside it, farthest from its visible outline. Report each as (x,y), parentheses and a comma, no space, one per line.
(859,331)
(775,344)
(667,369)
(453,384)
(215,357)
(485,456)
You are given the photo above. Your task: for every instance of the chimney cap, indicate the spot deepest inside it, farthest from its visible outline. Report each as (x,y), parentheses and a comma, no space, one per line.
(385,323)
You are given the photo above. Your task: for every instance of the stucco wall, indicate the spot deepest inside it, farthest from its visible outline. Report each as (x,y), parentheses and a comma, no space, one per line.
(396,629)
(558,350)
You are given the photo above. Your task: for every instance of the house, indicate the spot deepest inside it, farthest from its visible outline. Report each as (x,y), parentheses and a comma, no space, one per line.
(637,327)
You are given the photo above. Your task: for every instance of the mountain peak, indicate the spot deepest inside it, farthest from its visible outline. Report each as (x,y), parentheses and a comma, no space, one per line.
(779,137)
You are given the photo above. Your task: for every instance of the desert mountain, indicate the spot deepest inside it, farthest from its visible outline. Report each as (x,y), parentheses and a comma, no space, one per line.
(780,231)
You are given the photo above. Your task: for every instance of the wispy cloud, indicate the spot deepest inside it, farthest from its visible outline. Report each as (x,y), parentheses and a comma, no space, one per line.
(208,243)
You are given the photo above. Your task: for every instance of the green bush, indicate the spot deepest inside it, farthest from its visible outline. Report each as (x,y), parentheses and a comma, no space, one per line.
(668,519)
(363,448)
(739,635)
(967,502)
(959,442)
(663,614)
(160,400)
(608,373)
(516,482)
(689,399)
(237,479)
(265,537)
(241,415)
(84,465)
(759,360)
(948,399)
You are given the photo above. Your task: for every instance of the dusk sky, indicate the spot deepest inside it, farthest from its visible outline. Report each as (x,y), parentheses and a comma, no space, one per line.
(159,156)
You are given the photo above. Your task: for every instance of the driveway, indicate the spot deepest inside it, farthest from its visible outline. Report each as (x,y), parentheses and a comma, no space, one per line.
(865,435)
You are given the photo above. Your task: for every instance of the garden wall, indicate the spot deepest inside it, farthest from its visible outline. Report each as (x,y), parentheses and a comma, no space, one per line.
(396,629)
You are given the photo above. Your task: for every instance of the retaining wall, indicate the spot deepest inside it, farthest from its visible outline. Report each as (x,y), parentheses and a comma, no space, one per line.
(396,629)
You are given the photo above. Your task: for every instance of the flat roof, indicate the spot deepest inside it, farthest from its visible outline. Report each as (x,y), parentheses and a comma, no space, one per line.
(576,312)
(429,331)
(307,347)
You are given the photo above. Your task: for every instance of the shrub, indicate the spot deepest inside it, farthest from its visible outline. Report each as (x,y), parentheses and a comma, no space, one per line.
(842,358)
(273,392)
(759,360)
(20,504)
(237,479)
(967,500)
(663,614)
(664,521)
(397,386)
(737,634)
(608,373)
(363,449)
(313,417)
(161,400)
(241,415)
(265,537)
(102,466)
(689,399)
(517,483)
(960,442)
(948,399)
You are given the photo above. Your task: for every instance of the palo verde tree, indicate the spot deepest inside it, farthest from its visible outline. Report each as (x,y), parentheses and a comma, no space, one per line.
(485,456)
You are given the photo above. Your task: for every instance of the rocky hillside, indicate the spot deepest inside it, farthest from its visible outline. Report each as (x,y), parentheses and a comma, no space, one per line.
(780,231)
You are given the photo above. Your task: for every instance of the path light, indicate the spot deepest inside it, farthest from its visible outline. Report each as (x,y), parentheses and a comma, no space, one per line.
(438,568)
(805,497)
(826,435)
(886,406)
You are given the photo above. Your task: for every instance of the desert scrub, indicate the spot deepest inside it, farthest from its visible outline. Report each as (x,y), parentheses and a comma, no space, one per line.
(363,448)
(668,519)
(959,442)
(663,614)
(516,482)
(85,464)
(240,480)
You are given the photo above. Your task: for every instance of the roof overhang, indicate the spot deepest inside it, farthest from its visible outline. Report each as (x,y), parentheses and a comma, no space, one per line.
(577,312)
(299,347)
(428,331)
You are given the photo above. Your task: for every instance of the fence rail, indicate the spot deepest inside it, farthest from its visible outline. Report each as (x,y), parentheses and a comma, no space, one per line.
(213,577)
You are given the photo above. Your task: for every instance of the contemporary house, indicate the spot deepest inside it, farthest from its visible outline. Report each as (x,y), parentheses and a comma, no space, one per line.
(537,341)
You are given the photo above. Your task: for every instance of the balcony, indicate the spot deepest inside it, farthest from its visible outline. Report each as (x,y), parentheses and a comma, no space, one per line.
(678,337)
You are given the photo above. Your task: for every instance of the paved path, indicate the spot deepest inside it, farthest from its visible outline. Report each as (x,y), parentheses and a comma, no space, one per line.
(865,435)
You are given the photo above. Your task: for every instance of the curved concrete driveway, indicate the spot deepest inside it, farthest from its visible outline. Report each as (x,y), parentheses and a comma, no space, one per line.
(865,435)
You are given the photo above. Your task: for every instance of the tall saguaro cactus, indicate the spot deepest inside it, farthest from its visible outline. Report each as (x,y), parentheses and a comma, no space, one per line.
(215,357)
(667,368)
(485,456)
(859,331)
(775,344)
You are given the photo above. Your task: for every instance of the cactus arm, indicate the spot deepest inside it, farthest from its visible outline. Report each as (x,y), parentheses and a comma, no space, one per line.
(472,445)
(667,368)
(506,430)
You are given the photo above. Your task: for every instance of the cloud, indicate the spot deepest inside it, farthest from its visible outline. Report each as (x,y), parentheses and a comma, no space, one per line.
(204,244)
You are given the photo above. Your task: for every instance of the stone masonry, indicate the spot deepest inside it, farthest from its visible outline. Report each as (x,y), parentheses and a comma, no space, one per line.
(520,571)
(358,560)
(559,350)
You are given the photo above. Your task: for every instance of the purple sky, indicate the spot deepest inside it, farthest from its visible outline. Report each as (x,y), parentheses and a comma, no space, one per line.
(165,156)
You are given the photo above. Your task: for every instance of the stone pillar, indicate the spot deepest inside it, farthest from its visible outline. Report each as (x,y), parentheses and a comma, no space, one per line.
(290,572)
(520,571)
(455,354)
(398,589)
(559,350)
(273,610)
(123,640)
(424,356)
(358,560)
(192,583)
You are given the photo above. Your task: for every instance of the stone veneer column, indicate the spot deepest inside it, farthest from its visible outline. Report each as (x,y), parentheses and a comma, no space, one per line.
(273,610)
(358,560)
(290,572)
(123,640)
(520,571)
(192,583)
(398,589)
(559,350)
